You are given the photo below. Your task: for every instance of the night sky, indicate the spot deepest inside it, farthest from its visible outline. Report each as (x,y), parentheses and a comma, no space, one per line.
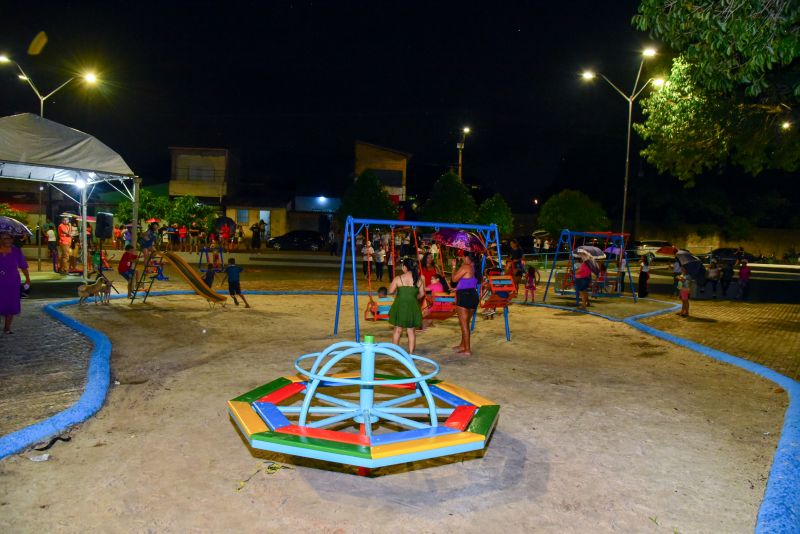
(292,84)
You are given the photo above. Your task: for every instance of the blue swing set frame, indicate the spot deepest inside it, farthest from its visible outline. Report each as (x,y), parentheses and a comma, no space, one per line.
(353,227)
(568,237)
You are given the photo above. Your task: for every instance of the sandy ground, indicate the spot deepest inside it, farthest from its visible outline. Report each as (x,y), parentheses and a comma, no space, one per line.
(602,429)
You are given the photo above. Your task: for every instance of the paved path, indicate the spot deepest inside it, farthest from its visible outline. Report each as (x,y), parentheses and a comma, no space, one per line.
(767,334)
(42,368)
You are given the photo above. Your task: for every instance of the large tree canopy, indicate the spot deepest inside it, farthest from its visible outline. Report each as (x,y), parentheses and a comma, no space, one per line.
(692,129)
(573,210)
(734,90)
(495,210)
(731,43)
(366,199)
(450,202)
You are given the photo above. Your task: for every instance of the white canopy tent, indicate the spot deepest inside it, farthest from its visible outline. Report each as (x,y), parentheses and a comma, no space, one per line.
(36,149)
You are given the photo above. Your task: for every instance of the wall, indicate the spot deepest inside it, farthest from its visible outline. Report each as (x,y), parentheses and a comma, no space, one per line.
(199,172)
(374,157)
(277,222)
(763,241)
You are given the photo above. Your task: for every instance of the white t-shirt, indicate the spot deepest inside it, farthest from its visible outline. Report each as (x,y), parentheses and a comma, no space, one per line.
(367,252)
(380,256)
(51,236)
(434,248)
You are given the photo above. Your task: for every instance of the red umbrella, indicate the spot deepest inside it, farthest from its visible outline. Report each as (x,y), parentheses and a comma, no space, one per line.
(152,220)
(669,250)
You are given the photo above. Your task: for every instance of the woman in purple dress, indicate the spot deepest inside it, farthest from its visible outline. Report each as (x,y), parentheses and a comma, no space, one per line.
(11,262)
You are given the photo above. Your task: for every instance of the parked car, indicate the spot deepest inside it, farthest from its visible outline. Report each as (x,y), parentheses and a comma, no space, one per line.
(650,248)
(298,240)
(728,255)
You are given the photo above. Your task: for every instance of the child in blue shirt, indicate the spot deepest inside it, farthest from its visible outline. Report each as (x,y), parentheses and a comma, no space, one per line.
(233,271)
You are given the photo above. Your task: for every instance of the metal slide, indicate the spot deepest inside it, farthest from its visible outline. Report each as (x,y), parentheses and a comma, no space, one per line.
(193,279)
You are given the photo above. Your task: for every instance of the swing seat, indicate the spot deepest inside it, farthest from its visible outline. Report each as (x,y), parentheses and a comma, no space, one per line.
(384,305)
(501,289)
(441,306)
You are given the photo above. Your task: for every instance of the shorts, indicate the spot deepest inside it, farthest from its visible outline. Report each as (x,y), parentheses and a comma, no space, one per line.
(234,288)
(581,284)
(684,293)
(127,275)
(467,298)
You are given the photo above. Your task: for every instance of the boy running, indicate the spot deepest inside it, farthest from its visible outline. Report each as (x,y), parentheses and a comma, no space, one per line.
(233,271)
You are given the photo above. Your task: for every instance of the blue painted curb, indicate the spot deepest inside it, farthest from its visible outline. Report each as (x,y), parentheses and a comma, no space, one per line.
(779,512)
(88,404)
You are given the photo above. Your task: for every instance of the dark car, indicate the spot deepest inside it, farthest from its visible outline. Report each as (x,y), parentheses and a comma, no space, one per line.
(729,255)
(298,240)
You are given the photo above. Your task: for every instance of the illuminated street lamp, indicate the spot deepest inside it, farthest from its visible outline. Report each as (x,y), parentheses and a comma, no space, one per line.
(658,82)
(786,125)
(464,132)
(88,77)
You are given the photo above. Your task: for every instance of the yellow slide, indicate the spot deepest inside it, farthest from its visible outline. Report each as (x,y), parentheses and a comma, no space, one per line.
(193,279)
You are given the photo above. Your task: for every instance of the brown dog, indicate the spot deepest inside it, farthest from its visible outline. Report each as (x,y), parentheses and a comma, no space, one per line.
(98,288)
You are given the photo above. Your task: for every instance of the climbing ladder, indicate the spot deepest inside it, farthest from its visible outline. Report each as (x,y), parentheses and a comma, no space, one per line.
(153,270)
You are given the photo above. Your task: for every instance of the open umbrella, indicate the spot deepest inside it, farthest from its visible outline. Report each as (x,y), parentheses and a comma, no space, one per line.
(592,252)
(13,227)
(224,221)
(152,220)
(460,239)
(693,264)
(612,250)
(68,215)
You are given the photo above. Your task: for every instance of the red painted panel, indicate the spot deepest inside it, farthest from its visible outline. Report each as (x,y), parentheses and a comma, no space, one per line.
(320,433)
(461,417)
(284,393)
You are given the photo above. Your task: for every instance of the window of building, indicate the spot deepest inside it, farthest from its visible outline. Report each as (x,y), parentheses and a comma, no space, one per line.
(242,216)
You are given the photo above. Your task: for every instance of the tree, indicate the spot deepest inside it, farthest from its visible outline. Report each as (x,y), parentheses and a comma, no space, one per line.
(731,89)
(496,210)
(366,199)
(187,209)
(731,43)
(150,206)
(7,211)
(573,210)
(450,202)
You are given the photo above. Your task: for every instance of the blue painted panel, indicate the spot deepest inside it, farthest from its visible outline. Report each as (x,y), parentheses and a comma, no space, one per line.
(271,415)
(448,397)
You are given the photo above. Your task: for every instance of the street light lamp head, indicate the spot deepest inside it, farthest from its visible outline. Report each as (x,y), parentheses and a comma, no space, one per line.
(22,77)
(90,77)
(786,125)
(649,52)
(466,129)
(4,59)
(658,82)
(588,75)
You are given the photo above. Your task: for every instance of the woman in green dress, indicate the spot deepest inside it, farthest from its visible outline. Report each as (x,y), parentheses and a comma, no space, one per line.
(405,312)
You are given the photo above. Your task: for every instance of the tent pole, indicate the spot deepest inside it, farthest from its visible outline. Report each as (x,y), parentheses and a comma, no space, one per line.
(84,241)
(137,183)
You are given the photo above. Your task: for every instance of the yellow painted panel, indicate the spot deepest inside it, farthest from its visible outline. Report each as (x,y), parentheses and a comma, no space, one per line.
(295,378)
(351,374)
(465,394)
(248,419)
(424,444)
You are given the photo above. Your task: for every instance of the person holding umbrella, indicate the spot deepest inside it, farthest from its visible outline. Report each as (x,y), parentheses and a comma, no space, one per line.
(583,280)
(644,276)
(11,262)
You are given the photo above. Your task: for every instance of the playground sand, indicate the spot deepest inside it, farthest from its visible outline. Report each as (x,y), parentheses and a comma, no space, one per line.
(602,428)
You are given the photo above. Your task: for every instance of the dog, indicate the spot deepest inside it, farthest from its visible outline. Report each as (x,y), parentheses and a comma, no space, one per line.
(98,288)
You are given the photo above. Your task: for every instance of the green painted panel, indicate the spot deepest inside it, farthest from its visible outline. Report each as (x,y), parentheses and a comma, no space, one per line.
(484,420)
(260,391)
(303,442)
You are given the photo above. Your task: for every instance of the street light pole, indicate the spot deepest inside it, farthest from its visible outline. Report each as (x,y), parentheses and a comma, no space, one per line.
(460,146)
(88,77)
(39,233)
(589,75)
